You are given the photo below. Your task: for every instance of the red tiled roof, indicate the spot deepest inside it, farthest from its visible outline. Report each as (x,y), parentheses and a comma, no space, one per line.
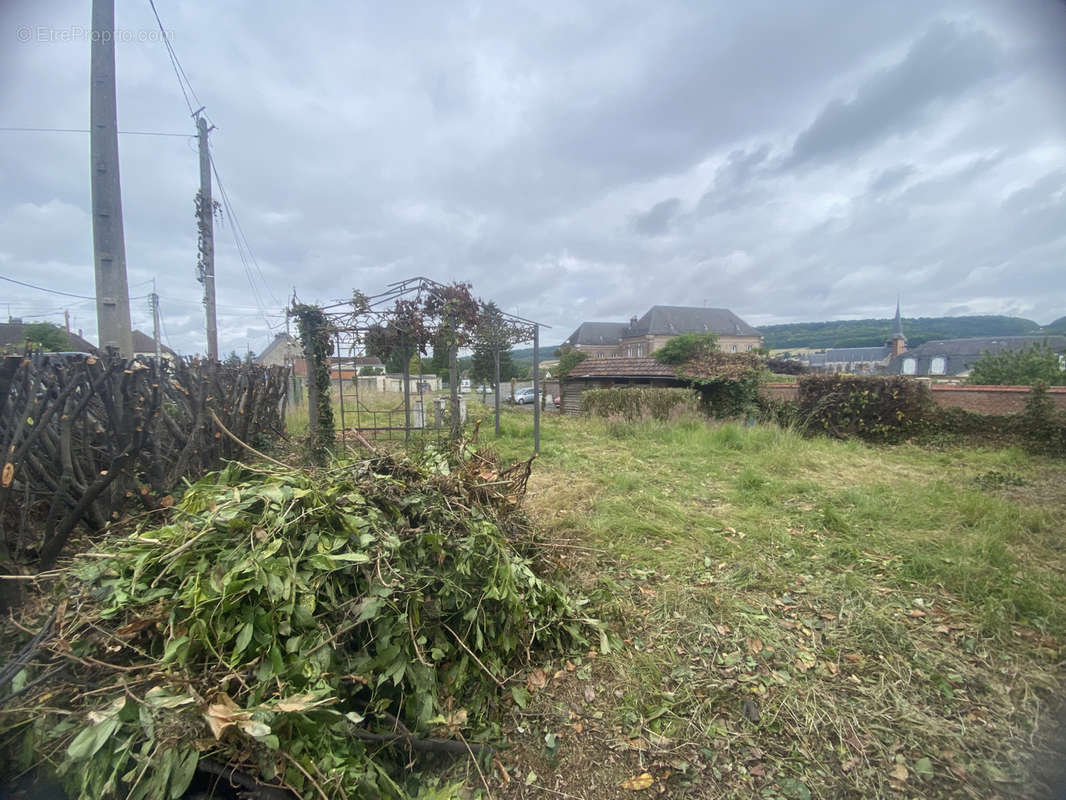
(623,368)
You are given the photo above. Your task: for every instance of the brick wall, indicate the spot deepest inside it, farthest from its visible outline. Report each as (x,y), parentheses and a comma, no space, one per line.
(979,399)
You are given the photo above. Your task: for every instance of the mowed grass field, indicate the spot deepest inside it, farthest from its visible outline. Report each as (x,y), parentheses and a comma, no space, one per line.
(794,617)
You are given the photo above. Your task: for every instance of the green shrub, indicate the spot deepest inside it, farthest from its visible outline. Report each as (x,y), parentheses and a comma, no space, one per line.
(633,403)
(686,347)
(1041,425)
(870,407)
(1036,364)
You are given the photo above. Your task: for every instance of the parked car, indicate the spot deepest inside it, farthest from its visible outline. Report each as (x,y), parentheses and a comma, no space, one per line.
(524,396)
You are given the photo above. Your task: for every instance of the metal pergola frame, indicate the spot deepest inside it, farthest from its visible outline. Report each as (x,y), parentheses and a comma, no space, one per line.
(353,324)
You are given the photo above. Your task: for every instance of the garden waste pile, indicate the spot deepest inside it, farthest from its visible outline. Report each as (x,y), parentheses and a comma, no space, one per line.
(315,631)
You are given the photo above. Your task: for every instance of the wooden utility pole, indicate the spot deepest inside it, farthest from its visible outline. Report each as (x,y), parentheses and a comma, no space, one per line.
(154,298)
(109,245)
(207,238)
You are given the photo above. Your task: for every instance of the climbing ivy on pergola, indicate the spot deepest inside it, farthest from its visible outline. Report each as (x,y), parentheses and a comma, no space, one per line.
(407,318)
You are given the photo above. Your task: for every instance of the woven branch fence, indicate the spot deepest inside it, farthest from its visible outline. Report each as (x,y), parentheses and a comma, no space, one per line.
(81,438)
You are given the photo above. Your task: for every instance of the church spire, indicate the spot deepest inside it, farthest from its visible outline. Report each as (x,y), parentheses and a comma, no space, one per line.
(898,342)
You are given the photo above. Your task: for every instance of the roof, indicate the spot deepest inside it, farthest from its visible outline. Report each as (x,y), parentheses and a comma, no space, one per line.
(597,333)
(961,354)
(674,320)
(13,338)
(283,342)
(852,355)
(358,361)
(143,343)
(622,368)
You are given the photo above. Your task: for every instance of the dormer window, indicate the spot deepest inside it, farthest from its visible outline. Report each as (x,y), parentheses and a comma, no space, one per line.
(910,366)
(938,366)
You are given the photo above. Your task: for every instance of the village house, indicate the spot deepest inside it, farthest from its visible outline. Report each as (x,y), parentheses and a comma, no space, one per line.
(144,347)
(956,357)
(643,336)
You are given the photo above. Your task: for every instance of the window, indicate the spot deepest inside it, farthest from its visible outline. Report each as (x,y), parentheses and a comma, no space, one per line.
(910,366)
(747,347)
(938,366)
(732,348)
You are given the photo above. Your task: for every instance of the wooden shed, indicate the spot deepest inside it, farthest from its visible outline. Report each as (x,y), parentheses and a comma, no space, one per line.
(607,373)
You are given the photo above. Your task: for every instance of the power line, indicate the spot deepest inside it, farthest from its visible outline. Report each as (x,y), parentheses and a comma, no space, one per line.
(179,72)
(43,289)
(56,291)
(238,234)
(163,324)
(86,130)
(240,229)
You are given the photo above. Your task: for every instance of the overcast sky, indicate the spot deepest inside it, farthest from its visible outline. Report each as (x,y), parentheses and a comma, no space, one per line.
(792,161)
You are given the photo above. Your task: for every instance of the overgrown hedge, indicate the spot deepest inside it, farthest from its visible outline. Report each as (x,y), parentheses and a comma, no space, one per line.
(638,403)
(878,408)
(894,408)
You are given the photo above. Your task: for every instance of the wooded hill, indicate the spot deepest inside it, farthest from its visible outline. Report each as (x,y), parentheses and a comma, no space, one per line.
(874,332)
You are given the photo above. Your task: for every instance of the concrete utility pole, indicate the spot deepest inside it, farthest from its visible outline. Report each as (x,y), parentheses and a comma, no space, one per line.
(155,324)
(207,239)
(109,244)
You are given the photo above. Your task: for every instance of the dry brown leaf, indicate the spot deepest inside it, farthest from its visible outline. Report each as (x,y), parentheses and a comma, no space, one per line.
(589,694)
(538,679)
(916,613)
(638,782)
(755,645)
(223,713)
(301,702)
(899,773)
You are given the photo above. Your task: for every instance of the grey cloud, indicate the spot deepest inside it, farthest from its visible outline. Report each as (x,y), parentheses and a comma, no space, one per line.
(891,178)
(948,60)
(657,220)
(524,147)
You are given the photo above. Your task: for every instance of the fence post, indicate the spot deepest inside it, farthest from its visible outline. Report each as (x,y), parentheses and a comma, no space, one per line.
(340,386)
(536,388)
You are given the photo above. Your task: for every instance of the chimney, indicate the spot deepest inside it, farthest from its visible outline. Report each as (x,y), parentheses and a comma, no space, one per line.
(632,322)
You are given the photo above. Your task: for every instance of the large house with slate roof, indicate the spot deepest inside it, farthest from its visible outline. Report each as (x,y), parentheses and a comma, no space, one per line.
(642,337)
(956,357)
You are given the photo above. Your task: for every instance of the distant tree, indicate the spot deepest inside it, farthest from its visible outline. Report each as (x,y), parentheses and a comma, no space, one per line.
(232,360)
(686,347)
(46,336)
(1037,364)
(494,333)
(568,359)
(370,369)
